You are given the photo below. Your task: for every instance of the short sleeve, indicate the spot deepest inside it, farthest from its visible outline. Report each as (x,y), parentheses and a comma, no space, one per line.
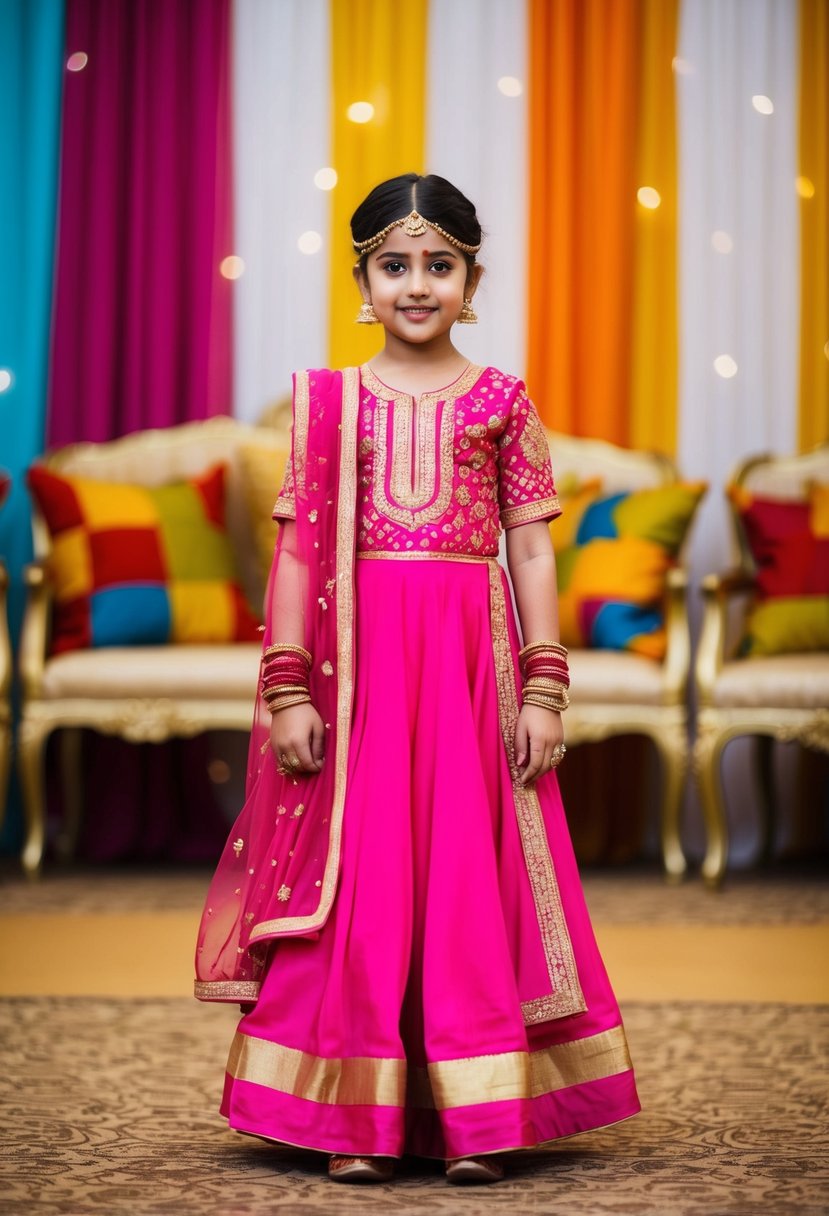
(285,506)
(526,490)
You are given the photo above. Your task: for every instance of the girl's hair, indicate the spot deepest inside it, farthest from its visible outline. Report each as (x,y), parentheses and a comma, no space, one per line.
(433,197)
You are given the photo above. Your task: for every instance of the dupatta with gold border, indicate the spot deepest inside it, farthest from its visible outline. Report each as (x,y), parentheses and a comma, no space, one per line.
(278,873)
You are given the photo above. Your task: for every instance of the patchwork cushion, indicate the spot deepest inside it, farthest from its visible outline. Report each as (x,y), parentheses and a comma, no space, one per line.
(613,557)
(789,541)
(139,565)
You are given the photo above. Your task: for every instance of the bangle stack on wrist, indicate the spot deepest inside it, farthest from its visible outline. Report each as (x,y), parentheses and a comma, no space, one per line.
(285,676)
(546,675)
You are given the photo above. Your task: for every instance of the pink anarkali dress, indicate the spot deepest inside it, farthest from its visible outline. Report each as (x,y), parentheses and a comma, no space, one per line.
(407,931)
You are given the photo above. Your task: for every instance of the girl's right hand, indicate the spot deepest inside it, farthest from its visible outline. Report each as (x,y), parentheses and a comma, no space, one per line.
(298,739)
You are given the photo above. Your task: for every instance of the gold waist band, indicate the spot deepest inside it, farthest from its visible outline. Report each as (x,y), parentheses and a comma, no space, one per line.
(426,556)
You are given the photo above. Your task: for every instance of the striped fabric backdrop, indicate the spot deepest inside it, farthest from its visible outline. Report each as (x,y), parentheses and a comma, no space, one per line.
(651,177)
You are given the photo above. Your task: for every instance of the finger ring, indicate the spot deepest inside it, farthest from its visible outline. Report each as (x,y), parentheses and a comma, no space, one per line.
(558,755)
(294,762)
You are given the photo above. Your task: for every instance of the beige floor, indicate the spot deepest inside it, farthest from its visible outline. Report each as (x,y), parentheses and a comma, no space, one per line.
(117,955)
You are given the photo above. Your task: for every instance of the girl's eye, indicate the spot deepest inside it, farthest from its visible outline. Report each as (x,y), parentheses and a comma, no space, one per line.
(394,267)
(440,267)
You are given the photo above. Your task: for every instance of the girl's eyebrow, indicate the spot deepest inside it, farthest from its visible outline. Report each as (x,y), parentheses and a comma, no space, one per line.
(427,253)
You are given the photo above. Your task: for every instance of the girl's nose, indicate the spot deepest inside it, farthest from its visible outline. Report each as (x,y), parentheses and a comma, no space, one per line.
(417,284)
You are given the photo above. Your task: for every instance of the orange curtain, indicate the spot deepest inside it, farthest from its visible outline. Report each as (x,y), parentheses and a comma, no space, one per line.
(602,279)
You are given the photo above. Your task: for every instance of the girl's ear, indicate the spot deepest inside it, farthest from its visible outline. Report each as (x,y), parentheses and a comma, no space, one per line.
(473,279)
(362,283)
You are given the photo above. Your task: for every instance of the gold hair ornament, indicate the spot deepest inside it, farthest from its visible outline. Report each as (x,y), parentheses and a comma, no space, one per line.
(413,225)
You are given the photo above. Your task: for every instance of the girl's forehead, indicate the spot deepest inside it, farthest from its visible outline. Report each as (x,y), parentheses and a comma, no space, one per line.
(427,245)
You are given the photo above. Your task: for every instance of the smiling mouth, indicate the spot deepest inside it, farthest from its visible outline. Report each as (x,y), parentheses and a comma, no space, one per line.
(418,312)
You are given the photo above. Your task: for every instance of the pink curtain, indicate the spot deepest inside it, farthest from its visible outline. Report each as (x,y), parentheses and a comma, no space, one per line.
(142,316)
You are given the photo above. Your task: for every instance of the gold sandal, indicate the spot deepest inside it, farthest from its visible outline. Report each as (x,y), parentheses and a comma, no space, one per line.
(361,1169)
(474,1169)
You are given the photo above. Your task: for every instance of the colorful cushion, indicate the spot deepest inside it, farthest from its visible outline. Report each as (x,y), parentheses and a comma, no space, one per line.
(613,557)
(263,469)
(789,541)
(138,565)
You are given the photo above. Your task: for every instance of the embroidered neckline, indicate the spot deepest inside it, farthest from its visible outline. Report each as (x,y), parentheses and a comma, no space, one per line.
(449,393)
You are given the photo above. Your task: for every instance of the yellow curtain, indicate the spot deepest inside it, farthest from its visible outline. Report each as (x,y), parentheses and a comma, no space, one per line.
(602,280)
(653,399)
(378,55)
(814,222)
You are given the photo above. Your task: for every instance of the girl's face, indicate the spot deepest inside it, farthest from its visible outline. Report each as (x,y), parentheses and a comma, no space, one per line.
(417,285)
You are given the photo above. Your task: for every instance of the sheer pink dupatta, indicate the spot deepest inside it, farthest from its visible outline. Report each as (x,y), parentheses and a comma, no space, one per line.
(278,873)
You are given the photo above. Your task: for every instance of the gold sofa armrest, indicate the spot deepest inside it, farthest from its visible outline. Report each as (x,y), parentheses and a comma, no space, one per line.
(677,662)
(34,634)
(717,590)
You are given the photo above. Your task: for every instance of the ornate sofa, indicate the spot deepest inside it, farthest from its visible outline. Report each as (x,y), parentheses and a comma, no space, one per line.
(620,693)
(778,696)
(141,693)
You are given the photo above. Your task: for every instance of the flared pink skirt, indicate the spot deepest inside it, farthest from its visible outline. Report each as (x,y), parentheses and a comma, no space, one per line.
(402,1026)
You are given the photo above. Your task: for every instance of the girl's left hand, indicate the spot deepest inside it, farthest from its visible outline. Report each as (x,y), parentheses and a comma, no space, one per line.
(537,733)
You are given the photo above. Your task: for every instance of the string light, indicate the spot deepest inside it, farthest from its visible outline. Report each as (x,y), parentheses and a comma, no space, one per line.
(510,86)
(762,104)
(725,366)
(805,187)
(5,379)
(721,241)
(360,111)
(232,267)
(681,66)
(218,771)
(325,179)
(309,242)
(649,197)
(77,61)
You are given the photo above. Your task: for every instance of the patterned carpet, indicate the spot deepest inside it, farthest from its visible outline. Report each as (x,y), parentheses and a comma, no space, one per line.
(621,895)
(109,1108)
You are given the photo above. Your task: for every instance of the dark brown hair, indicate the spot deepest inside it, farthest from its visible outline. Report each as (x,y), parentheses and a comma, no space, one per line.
(431,196)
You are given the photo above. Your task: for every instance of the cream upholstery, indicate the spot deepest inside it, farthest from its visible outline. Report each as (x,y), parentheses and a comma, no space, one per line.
(784,697)
(145,693)
(613,692)
(5,693)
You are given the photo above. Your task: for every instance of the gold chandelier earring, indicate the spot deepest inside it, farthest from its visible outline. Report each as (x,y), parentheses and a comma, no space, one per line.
(367,315)
(468,316)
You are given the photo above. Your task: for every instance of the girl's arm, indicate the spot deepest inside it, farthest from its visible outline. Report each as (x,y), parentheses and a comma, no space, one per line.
(297,731)
(532,568)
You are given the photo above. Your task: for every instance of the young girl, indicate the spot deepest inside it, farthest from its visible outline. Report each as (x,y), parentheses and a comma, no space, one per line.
(398,908)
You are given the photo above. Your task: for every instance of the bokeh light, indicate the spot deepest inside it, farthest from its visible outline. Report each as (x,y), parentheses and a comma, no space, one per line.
(360,111)
(725,366)
(762,104)
(77,61)
(721,241)
(510,86)
(309,242)
(325,178)
(649,197)
(232,267)
(5,379)
(805,187)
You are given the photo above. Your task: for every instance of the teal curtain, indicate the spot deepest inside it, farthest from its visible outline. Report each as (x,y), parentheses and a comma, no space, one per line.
(31,80)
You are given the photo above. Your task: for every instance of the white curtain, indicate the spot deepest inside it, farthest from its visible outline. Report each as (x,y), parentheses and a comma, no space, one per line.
(737,170)
(281,93)
(476,136)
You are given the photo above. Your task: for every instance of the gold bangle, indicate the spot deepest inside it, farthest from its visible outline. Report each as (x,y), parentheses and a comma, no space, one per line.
(287,648)
(544,684)
(546,701)
(274,708)
(532,647)
(279,689)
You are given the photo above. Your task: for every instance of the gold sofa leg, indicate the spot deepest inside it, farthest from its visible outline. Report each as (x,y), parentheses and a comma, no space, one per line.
(673,754)
(708,751)
(31,742)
